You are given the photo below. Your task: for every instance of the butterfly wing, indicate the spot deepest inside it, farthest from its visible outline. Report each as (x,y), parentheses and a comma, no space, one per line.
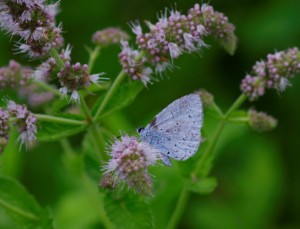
(175,131)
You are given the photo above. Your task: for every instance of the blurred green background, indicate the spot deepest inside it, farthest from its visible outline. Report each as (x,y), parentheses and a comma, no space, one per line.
(258,174)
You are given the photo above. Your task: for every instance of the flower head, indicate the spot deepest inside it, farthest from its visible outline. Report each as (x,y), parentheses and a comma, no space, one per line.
(175,34)
(75,77)
(133,65)
(26,122)
(274,73)
(109,36)
(4,129)
(129,163)
(14,75)
(34,22)
(218,26)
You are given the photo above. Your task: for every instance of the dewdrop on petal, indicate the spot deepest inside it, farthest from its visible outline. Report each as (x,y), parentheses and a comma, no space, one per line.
(129,163)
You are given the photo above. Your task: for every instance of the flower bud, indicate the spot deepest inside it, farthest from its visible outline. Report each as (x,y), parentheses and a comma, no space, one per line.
(107,182)
(260,121)
(206,98)
(109,36)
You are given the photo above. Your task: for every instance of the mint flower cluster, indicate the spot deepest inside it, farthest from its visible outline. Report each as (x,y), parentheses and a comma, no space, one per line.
(172,36)
(18,77)
(34,22)
(14,75)
(75,77)
(25,122)
(4,129)
(274,73)
(109,36)
(23,119)
(129,163)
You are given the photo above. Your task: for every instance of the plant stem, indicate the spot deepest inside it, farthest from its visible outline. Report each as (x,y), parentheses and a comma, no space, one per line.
(49,118)
(218,110)
(93,56)
(180,206)
(85,109)
(94,129)
(184,195)
(47,87)
(66,146)
(240,100)
(58,60)
(113,88)
(109,94)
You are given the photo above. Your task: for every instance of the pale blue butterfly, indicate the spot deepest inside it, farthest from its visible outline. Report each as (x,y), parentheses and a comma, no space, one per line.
(175,131)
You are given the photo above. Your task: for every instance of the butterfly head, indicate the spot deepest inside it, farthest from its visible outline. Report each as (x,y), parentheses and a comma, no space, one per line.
(140,130)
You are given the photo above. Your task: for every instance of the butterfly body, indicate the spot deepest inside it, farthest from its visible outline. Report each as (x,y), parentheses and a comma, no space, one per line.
(175,131)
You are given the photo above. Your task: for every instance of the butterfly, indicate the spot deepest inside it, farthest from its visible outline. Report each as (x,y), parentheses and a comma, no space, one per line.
(175,131)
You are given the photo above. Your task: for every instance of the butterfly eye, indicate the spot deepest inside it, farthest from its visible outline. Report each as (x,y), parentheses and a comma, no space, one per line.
(139,130)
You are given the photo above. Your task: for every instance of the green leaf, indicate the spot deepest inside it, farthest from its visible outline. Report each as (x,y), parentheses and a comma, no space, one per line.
(49,131)
(88,147)
(202,185)
(18,209)
(125,95)
(58,105)
(128,211)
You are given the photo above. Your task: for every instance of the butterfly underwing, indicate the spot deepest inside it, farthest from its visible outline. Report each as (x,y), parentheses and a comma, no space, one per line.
(175,131)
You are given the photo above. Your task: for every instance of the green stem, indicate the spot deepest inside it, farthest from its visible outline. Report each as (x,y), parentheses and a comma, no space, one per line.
(49,118)
(218,110)
(183,199)
(180,206)
(96,201)
(109,94)
(85,109)
(241,120)
(94,130)
(112,89)
(240,100)
(67,146)
(98,141)
(208,151)
(47,87)
(93,56)
(58,60)
(18,211)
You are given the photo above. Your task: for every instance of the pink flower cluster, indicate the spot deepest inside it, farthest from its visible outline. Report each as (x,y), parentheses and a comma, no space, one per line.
(18,77)
(4,129)
(172,36)
(34,22)
(275,73)
(129,163)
